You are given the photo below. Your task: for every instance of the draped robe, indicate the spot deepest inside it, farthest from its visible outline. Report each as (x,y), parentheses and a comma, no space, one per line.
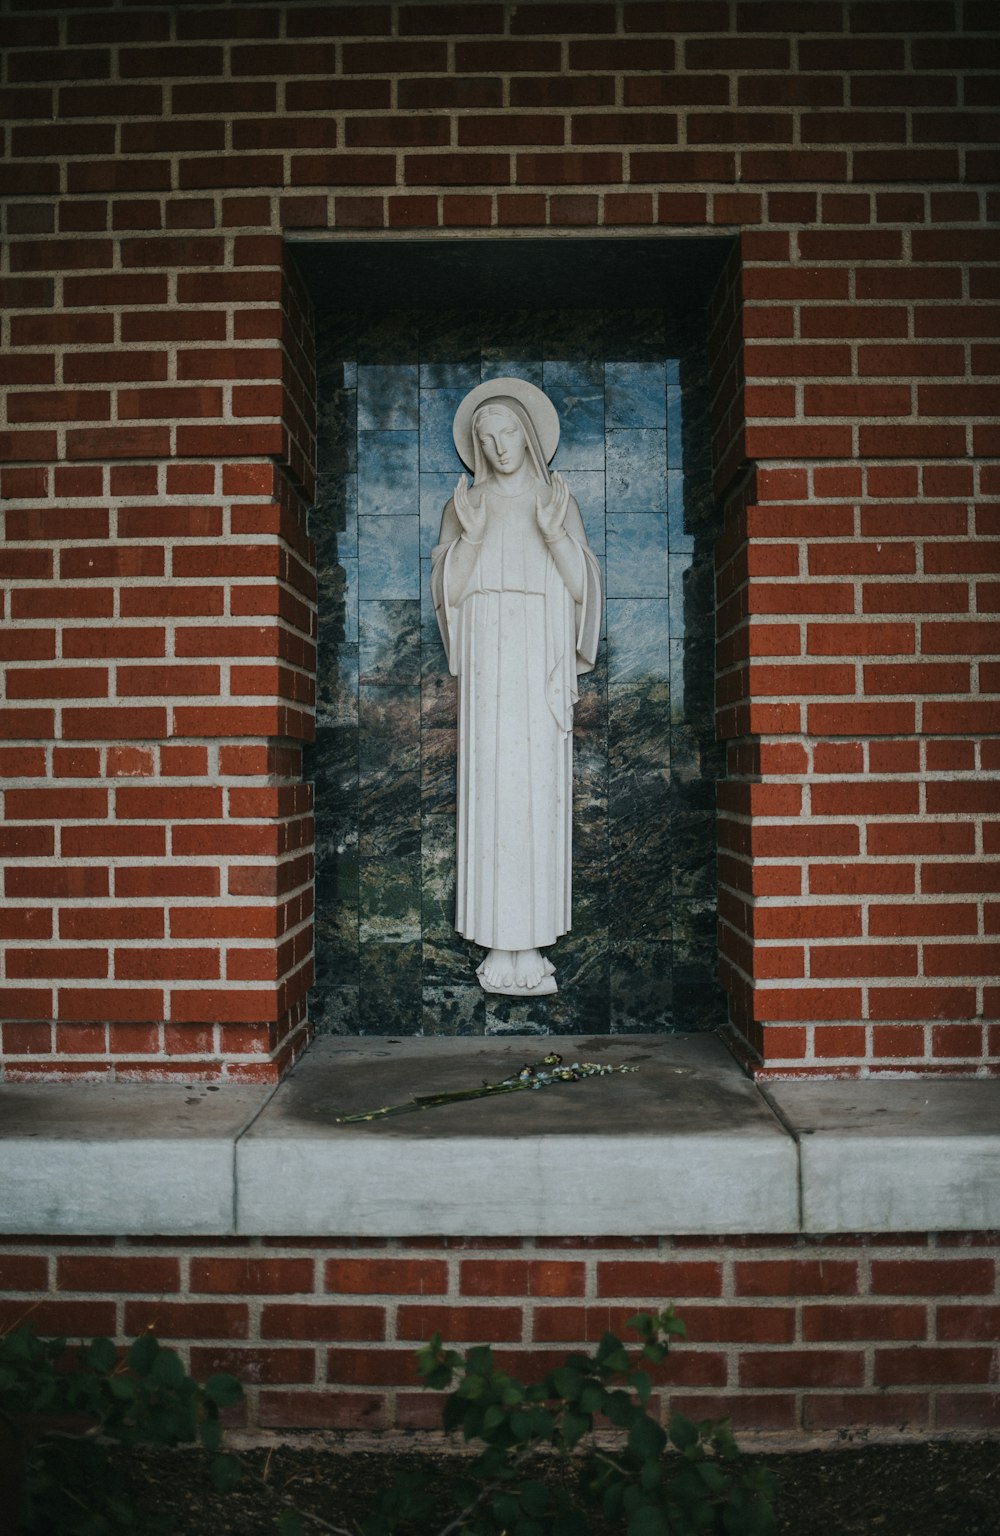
(516,640)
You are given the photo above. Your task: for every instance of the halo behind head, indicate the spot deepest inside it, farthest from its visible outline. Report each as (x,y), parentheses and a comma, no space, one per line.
(537,404)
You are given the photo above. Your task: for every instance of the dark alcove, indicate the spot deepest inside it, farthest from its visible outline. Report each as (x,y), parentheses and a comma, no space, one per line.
(614,331)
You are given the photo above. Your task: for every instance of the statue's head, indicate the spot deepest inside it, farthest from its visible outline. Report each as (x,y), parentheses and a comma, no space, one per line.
(494,406)
(500,438)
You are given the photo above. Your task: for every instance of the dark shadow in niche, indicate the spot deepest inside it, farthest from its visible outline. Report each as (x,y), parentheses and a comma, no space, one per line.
(630,384)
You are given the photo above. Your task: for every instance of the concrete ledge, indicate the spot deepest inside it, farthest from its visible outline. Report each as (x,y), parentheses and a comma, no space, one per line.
(896,1156)
(96,1158)
(685,1145)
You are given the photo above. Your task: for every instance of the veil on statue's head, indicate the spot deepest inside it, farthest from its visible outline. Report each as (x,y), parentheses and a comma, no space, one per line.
(529,406)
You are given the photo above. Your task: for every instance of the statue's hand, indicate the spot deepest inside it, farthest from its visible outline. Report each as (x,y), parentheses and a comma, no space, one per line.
(551,514)
(472,518)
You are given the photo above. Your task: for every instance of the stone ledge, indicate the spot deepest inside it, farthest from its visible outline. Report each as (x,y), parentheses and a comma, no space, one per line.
(686,1145)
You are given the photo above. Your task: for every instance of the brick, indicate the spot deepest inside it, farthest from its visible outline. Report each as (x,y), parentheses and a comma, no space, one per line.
(932,1277)
(803,1368)
(110,923)
(111,842)
(251,1276)
(795,1277)
(187,1320)
(916,1366)
(322,1322)
(63,1319)
(662,1280)
(116,1272)
(838,1410)
(515,1277)
(110,1004)
(489,1324)
(376,1277)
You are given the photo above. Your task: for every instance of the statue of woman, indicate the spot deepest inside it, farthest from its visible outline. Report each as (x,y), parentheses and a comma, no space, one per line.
(517,594)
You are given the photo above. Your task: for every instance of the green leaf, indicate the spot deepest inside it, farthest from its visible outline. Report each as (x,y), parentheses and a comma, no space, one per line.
(100,1356)
(289,1524)
(592,1398)
(167,1369)
(683,1434)
(223,1390)
(619,1409)
(641,1385)
(646,1438)
(648,1522)
(142,1354)
(715,1481)
(534,1497)
(650,1475)
(568,1383)
(574,1427)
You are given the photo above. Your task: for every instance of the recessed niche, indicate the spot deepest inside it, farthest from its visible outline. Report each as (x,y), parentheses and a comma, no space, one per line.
(615,333)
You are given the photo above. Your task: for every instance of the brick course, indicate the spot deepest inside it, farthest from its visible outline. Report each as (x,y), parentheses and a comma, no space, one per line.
(158,459)
(800,1334)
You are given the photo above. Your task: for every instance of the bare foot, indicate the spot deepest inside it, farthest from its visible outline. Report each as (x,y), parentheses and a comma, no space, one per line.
(498,969)
(529,968)
(517,973)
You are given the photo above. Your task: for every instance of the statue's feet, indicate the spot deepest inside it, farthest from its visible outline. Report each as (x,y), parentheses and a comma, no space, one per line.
(517,973)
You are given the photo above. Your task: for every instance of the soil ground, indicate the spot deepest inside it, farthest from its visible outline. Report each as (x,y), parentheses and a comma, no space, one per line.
(938,1488)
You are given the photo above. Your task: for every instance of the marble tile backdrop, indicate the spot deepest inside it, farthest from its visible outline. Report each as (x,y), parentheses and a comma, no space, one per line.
(630,389)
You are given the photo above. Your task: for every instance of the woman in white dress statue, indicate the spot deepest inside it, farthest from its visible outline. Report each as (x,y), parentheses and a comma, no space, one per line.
(517,594)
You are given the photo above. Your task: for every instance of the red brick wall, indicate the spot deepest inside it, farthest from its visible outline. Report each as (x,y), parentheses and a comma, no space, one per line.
(783,1333)
(158,450)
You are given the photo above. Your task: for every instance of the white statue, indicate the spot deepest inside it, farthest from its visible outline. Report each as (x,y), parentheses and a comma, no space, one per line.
(517,594)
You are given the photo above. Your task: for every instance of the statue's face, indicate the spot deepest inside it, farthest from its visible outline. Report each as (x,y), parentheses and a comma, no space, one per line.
(502,440)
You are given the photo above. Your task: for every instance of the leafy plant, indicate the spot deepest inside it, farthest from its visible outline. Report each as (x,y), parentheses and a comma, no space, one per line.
(683,1481)
(61,1405)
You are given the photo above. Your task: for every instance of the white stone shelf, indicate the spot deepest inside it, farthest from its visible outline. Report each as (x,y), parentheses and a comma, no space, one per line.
(686,1145)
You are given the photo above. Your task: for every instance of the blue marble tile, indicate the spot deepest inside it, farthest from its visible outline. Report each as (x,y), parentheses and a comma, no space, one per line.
(387,474)
(638,640)
(388,397)
(390,640)
(501,365)
(638,555)
(675,453)
(463,376)
(680,573)
(581,426)
(588,487)
(579,374)
(336,682)
(674,372)
(337,607)
(438,689)
(636,394)
(681,539)
(437,446)
(389,561)
(336,432)
(435,491)
(428,620)
(637,470)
